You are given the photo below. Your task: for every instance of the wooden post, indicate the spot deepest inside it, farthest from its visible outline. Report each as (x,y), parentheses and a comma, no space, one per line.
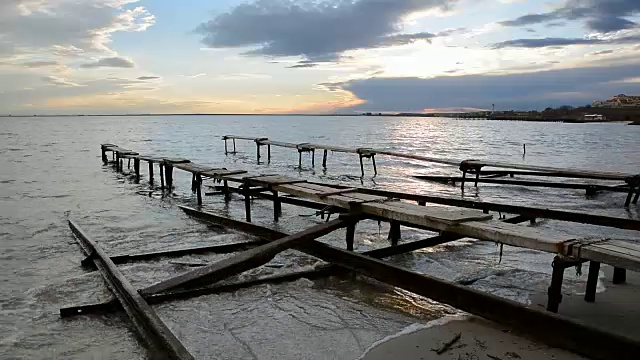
(464,174)
(161,175)
(313,157)
(104,155)
(193,182)
(227,193)
(234,146)
(136,168)
(619,275)
(168,174)
(477,177)
(627,202)
(324,159)
(128,163)
(277,206)
(422,203)
(199,188)
(373,160)
(555,289)
(226,151)
(592,281)
(299,159)
(361,165)
(151,172)
(269,153)
(635,199)
(247,200)
(117,162)
(351,232)
(394,233)
(258,151)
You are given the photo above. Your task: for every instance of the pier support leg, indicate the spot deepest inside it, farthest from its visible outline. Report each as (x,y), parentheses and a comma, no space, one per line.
(619,275)
(627,202)
(351,232)
(635,199)
(258,152)
(361,166)
(324,159)
(313,158)
(277,206)
(168,175)
(422,203)
(394,233)
(161,176)
(299,159)
(151,172)
(592,281)
(477,178)
(234,146)
(555,289)
(247,200)
(464,175)
(199,188)
(269,153)
(226,150)
(117,162)
(193,182)
(375,169)
(104,156)
(227,193)
(128,164)
(136,168)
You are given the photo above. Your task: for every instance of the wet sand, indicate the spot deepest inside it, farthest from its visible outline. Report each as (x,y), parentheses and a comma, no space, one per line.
(615,310)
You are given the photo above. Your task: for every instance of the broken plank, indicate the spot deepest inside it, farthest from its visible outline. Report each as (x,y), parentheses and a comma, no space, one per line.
(244,261)
(155,332)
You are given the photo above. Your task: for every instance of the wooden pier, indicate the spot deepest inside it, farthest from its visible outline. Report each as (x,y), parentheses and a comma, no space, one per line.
(452,218)
(628,182)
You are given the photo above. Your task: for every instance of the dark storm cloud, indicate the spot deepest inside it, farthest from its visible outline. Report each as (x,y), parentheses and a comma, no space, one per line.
(599,15)
(547,42)
(312,29)
(519,91)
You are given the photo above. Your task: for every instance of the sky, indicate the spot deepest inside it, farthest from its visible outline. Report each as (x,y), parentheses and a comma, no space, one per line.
(313,56)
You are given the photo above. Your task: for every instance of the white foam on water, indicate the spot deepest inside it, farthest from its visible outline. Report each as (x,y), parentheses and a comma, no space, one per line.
(414,328)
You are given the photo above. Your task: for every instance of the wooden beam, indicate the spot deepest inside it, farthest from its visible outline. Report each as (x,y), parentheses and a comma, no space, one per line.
(246,260)
(155,332)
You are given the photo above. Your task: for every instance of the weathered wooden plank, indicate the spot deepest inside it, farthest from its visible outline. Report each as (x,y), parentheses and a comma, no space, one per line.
(418,157)
(174,161)
(278,143)
(449,215)
(192,168)
(162,341)
(632,245)
(220,173)
(623,251)
(549,184)
(604,175)
(237,137)
(217,249)
(273,180)
(246,260)
(337,192)
(605,256)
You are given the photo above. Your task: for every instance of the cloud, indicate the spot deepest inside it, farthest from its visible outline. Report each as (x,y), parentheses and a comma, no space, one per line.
(66,27)
(311,28)
(196,75)
(243,76)
(603,52)
(403,39)
(58,81)
(145,78)
(114,62)
(519,91)
(547,42)
(39,64)
(599,15)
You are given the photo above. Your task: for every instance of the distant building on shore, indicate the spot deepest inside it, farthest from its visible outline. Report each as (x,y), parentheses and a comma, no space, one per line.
(619,101)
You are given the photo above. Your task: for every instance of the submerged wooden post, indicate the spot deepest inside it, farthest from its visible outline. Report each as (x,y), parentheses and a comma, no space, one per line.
(394,233)
(477,177)
(555,289)
(313,157)
(151,172)
(592,281)
(619,275)
(136,168)
(361,165)
(632,187)
(464,174)
(351,232)
(247,200)
(168,174)
(277,206)
(199,188)
(193,182)
(373,160)
(226,150)
(268,153)
(258,151)
(324,159)
(161,175)
(299,158)
(234,146)
(104,155)
(635,199)
(117,161)
(227,193)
